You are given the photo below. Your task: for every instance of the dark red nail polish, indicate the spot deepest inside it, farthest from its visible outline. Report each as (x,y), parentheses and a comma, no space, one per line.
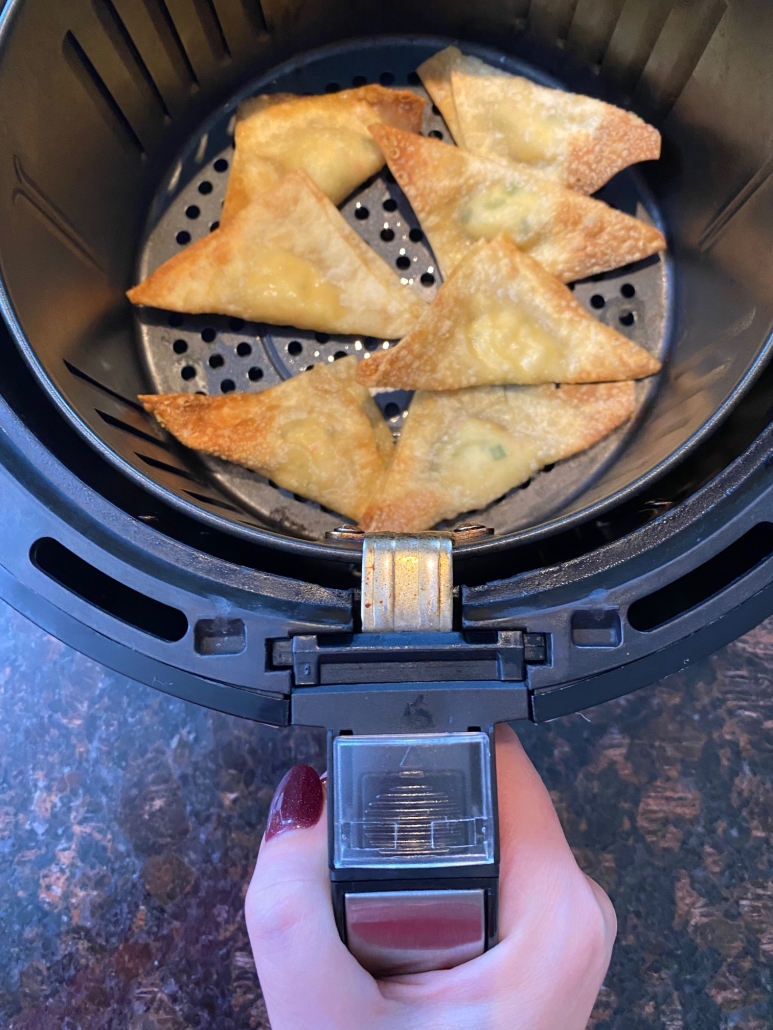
(297,803)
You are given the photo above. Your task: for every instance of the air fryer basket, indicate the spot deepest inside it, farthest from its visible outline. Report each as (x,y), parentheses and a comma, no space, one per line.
(630,561)
(116,118)
(219,354)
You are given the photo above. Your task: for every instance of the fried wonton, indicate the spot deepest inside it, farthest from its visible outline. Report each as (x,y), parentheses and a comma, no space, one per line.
(579,141)
(319,434)
(460,451)
(435,74)
(500,318)
(326,136)
(460,197)
(288,258)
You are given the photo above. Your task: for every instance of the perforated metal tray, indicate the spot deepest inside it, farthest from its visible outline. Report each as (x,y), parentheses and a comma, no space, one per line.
(213,354)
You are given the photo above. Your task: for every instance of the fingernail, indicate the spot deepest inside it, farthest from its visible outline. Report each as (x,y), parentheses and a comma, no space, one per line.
(297,803)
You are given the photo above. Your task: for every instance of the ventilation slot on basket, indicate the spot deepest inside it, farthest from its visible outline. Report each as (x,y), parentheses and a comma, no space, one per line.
(130,56)
(170,40)
(103,99)
(254,14)
(704,582)
(74,370)
(106,593)
(685,36)
(213,500)
(213,30)
(164,466)
(118,423)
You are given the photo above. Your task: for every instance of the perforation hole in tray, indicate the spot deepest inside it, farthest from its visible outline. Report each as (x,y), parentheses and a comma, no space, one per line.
(217,355)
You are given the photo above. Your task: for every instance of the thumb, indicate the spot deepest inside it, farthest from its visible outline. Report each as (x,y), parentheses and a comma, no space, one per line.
(308,977)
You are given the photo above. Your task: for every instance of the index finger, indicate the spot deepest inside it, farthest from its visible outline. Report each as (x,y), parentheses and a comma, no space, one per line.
(535,858)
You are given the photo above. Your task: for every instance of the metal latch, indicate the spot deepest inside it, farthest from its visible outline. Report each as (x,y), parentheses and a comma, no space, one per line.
(407,583)
(407,618)
(407,579)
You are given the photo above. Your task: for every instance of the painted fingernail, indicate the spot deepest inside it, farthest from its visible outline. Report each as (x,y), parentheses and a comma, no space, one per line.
(297,803)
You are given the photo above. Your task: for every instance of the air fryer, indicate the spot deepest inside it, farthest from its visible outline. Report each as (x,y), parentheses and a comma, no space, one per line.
(600,575)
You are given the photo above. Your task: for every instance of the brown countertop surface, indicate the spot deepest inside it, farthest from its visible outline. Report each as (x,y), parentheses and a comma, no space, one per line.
(129,823)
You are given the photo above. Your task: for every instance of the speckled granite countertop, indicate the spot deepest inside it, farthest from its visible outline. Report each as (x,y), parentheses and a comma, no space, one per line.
(129,822)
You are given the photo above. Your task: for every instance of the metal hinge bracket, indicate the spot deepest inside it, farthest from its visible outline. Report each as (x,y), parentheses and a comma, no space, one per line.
(407,583)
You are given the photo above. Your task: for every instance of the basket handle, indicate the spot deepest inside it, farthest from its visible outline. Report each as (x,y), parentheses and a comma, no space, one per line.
(413,843)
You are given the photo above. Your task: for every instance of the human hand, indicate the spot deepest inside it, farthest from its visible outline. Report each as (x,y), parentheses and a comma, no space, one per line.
(557,927)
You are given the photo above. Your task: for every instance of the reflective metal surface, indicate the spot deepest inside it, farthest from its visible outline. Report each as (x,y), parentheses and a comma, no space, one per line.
(392,932)
(407,583)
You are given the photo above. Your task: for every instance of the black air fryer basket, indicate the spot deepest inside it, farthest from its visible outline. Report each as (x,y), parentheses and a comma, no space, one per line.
(602,574)
(116,142)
